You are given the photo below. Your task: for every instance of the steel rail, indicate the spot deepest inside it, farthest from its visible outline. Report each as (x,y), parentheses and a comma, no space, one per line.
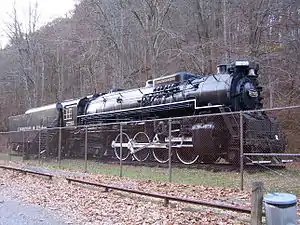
(166,198)
(50,176)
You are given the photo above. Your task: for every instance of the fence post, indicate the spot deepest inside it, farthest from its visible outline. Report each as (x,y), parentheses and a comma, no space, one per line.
(39,154)
(170,150)
(47,143)
(23,150)
(9,146)
(59,147)
(166,202)
(256,202)
(121,149)
(241,150)
(85,149)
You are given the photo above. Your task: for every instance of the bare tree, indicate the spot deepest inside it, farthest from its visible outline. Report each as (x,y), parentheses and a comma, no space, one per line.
(111,43)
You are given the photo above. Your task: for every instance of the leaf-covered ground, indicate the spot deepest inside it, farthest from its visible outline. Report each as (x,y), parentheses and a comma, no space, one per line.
(79,204)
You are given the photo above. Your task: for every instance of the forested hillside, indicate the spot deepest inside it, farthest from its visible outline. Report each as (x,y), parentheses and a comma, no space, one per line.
(122,43)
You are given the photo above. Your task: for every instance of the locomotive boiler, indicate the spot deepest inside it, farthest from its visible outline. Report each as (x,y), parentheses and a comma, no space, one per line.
(195,114)
(233,86)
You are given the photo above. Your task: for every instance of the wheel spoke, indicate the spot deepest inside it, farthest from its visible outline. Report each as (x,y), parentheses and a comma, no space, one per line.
(142,153)
(160,155)
(125,150)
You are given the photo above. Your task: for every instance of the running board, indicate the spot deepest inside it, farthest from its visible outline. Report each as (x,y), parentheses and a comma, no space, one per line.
(269,161)
(152,145)
(182,146)
(179,139)
(287,160)
(132,145)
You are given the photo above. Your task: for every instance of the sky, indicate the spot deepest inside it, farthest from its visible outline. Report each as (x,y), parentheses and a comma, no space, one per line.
(47,11)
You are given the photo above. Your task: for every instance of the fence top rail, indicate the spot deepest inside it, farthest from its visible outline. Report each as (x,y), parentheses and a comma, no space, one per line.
(160,119)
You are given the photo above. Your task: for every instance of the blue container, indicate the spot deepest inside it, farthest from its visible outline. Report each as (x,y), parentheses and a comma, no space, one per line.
(281,209)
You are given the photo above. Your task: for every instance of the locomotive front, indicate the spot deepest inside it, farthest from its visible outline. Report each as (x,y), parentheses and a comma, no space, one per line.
(234,86)
(245,92)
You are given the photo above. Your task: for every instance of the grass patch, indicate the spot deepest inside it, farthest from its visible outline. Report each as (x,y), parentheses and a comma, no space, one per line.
(287,180)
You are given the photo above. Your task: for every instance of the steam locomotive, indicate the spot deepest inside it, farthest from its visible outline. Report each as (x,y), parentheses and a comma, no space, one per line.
(195,115)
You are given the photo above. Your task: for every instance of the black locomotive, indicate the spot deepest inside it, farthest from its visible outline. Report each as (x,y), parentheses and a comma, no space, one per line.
(211,131)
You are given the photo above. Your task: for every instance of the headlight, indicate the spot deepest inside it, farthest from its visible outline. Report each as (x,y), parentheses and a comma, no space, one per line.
(241,63)
(253,93)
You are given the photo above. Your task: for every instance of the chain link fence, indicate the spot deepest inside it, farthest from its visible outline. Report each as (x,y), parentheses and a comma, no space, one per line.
(4,150)
(223,149)
(277,165)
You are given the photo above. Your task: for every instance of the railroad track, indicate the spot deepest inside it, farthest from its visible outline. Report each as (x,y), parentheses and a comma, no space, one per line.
(166,198)
(26,171)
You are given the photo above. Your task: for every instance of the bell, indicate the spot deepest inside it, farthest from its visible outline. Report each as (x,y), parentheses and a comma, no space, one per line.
(252,73)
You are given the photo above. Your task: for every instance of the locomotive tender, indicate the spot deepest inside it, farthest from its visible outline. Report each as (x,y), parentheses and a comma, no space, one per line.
(234,88)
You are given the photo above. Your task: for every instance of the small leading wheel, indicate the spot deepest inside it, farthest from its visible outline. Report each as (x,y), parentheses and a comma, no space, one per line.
(142,141)
(125,150)
(233,156)
(209,158)
(187,156)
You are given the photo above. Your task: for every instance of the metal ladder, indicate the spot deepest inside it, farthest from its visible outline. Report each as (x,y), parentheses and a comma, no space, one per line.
(231,122)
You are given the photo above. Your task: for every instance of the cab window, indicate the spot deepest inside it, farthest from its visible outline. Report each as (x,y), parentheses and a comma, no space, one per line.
(68,114)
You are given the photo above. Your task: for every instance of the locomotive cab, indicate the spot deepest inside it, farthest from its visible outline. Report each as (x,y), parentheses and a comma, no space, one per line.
(69,114)
(149,83)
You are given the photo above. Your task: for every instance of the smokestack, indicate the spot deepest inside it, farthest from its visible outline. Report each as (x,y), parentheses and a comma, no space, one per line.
(222,68)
